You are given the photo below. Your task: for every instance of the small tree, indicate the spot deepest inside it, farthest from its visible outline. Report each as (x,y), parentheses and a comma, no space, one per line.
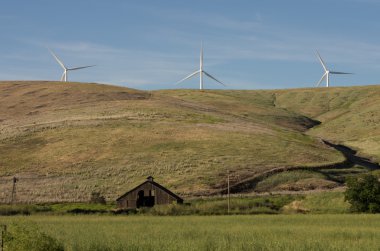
(363,193)
(97,198)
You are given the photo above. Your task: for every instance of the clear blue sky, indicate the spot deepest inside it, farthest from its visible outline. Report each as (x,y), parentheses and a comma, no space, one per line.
(152,44)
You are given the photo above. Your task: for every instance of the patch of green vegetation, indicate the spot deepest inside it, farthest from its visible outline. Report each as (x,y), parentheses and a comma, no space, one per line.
(253,232)
(57,208)
(23,236)
(376,173)
(200,206)
(80,208)
(322,202)
(203,118)
(341,174)
(274,181)
(23,209)
(363,193)
(219,206)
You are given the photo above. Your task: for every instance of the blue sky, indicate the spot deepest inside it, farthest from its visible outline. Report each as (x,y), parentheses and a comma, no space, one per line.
(152,44)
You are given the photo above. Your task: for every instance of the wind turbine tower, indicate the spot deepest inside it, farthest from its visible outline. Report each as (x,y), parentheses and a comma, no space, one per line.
(65,69)
(327,72)
(201,72)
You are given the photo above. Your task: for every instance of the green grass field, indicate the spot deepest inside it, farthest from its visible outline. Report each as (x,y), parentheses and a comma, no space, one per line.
(260,232)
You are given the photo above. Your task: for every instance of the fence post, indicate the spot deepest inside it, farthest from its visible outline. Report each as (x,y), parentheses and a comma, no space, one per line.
(3,229)
(13,197)
(228,192)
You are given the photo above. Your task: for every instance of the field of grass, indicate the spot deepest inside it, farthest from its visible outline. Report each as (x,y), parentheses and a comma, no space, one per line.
(66,140)
(259,232)
(295,181)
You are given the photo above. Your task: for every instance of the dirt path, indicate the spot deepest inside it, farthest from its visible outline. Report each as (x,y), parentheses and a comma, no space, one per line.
(351,156)
(351,159)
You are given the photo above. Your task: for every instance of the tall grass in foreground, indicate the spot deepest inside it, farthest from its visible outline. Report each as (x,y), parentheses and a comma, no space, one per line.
(259,232)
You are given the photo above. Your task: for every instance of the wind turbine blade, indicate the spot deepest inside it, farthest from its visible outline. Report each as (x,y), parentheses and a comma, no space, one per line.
(82,67)
(322,62)
(338,72)
(57,59)
(208,75)
(192,74)
(320,81)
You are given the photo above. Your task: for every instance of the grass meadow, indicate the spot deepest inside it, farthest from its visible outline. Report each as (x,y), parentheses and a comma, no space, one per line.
(258,232)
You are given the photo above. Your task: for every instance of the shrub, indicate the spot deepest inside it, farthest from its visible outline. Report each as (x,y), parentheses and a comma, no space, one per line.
(25,237)
(86,211)
(363,193)
(97,198)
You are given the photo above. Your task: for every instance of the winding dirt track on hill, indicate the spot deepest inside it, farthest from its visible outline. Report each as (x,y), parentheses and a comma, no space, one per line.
(351,159)
(351,156)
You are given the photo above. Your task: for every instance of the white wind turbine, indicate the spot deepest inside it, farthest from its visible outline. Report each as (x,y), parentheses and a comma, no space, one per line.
(201,72)
(327,72)
(65,69)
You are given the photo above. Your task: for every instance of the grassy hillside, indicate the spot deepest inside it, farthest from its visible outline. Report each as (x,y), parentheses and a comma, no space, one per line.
(349,115)
(65,140)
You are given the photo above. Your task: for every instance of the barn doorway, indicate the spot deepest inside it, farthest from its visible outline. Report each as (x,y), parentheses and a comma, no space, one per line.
(140,199)
(145,201)
(150,199)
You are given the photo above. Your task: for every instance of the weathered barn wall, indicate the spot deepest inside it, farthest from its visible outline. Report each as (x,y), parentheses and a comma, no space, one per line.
(147,194)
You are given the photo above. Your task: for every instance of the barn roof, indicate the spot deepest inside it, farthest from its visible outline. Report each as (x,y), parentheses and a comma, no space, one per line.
(150,180)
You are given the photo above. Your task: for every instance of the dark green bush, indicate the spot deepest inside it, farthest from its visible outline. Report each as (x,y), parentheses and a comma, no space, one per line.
(363,193)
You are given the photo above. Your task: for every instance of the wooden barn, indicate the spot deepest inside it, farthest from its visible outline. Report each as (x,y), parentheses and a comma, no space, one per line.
(147,194)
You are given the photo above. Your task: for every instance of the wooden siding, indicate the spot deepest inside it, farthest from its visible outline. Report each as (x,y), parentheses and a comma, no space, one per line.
(154,194)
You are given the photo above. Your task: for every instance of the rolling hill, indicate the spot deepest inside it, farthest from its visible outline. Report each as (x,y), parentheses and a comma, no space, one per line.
(66,140)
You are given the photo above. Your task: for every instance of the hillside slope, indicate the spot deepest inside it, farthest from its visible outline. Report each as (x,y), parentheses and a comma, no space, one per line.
(349,115)
(65,140)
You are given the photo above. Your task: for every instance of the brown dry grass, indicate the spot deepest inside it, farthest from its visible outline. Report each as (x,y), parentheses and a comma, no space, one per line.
(65,140)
